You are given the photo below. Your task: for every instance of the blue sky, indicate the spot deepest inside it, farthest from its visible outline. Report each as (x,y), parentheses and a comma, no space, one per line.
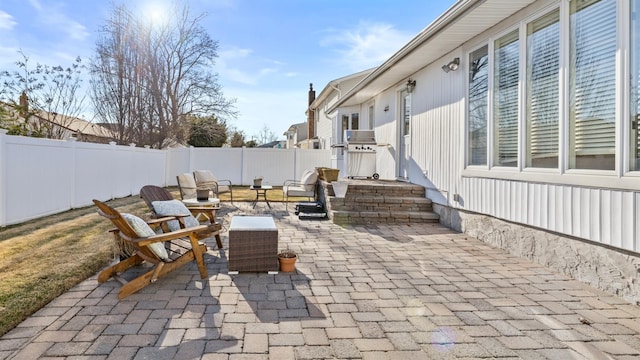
(269,50)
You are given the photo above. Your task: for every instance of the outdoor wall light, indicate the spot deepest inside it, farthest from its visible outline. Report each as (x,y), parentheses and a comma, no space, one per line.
(452,65)
(411,84)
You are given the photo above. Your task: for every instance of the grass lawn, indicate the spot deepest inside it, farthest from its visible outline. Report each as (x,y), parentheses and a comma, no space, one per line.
(42,258)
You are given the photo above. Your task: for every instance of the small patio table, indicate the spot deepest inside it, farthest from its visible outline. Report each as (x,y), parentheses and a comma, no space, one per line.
(261,190)
(253,244)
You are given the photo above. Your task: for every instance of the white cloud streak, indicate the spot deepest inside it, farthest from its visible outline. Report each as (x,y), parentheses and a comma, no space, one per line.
(233,63)
(51,15)
(6,21)
(365,46)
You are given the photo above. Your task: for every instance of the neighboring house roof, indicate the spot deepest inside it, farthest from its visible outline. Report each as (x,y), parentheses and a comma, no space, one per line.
(300,129)
(459,24)
(273,144)
(72,124)
(75,124)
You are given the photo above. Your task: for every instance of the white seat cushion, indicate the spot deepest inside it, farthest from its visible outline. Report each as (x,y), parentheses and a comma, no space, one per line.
(143,229)
(309,179)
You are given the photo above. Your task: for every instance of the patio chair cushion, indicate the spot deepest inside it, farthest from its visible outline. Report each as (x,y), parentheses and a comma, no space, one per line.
(206,180)
(309,179)
(144,230)
(174,207)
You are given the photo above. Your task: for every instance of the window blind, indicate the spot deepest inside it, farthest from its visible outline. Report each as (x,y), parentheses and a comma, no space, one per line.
(543,64)
(506,74)
(592,84)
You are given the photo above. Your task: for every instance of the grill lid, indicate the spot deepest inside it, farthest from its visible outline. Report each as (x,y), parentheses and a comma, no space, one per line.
(360,136)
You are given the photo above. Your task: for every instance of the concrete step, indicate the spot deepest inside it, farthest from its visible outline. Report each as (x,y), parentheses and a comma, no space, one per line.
(381,203)
(382,217)
(378,202)
(391,189)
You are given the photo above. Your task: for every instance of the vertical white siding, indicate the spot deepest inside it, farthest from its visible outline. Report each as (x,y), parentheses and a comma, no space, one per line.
(604,216)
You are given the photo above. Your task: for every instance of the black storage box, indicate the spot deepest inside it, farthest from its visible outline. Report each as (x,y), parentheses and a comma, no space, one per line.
(311,210)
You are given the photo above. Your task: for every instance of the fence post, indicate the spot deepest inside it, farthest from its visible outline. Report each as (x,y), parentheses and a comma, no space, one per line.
(191,151)
(112,194)
(72,180)
(3,173)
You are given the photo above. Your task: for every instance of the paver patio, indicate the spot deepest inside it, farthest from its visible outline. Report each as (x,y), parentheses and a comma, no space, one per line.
(418,291)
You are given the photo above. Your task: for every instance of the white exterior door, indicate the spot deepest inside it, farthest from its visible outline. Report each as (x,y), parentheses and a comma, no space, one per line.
(404,132)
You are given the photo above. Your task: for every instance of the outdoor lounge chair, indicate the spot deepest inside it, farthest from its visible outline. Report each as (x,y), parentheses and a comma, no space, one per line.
(306,186)
(165,251)
(205,179)
(161,203)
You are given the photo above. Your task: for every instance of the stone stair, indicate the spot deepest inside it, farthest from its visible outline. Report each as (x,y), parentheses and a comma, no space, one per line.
(378,202)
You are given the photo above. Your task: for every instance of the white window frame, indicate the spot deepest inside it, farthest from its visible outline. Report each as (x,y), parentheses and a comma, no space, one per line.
(622,177)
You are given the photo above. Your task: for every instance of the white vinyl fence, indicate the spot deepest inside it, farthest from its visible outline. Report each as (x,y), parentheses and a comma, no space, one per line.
(39,177)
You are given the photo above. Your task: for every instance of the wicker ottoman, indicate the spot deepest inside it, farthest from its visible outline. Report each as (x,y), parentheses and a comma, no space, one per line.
(253,244)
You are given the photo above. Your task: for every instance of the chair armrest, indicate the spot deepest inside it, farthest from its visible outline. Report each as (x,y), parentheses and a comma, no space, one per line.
(170,235)
(165,218)
(292,182)
(202,208)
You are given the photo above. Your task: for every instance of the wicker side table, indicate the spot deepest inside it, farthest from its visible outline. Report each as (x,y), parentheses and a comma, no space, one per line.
(253,244)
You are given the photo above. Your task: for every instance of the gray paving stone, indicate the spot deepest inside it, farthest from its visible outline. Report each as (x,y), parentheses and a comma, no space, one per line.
(345,349)
(313,352)
(31,351)
(448,296)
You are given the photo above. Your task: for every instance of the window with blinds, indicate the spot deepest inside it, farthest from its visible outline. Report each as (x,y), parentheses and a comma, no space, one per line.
(478,106)
(592,67)
(505,103)
(543,64)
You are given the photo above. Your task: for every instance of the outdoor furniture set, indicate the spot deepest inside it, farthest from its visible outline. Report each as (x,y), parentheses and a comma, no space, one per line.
(173,237)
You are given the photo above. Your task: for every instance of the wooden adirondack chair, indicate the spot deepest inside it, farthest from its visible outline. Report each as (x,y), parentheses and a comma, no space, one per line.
(181,247)
(151,193)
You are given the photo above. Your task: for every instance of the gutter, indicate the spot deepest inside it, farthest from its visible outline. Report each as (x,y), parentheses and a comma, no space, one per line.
(454,13)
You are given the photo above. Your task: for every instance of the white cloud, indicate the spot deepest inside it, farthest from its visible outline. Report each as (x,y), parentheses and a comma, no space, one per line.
(36,4)
(232,56)
(234,53)
(365,46)
(52,15)
(6,21)
(239,65)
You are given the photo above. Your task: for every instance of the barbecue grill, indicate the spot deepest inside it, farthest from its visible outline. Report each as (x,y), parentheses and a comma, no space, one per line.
(361,153)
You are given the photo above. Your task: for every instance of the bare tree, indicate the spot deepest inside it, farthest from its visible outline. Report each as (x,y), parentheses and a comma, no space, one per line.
(118,89)
(150,78)
(266,135)
(48,97)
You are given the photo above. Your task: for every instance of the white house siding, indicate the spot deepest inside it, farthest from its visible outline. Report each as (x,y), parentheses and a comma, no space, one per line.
(548,217)
(438,106)
(609,217)
(386,134)
(324,125)
(325,120)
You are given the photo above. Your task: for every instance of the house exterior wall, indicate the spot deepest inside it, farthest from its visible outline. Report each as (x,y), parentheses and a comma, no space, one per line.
(324,121)
(577,209)
(584,207)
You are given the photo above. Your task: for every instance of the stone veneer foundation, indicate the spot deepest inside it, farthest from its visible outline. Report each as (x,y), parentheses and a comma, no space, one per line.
(613,270)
